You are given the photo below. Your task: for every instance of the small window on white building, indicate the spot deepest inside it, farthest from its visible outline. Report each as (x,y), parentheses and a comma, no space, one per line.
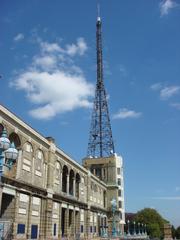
(119,193)
(118,171)
(119,181)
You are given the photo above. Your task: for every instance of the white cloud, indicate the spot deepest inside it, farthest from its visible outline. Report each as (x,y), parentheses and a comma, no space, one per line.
(53,82)
(50,47)
(165,92)
(166,6)
(79,48)
(156,86)
(168,92)
(46,62)
(19,37)
(56,92)
(124,113)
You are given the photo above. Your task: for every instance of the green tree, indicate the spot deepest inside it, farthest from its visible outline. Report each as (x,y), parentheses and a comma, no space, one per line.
(153,220)
(154,230)
(177,233)
(173,232)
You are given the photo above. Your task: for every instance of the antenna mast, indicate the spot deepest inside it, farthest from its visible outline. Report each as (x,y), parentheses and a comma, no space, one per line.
(100,139)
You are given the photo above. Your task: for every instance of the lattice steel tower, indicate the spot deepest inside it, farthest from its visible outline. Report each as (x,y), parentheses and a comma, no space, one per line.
(100,139)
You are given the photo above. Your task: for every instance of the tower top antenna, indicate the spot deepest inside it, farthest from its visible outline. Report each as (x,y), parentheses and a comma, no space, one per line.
(98,12)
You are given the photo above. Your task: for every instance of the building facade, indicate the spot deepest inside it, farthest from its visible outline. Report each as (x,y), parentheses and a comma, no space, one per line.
(46,194)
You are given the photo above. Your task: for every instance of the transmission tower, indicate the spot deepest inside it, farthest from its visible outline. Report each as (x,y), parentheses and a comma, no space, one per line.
(100,139)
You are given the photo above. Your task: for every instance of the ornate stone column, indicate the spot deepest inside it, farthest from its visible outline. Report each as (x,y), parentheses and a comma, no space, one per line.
(60,227)
(42,219)
(87,223)
(74,187)
(29,216)
(48,216)
(66,222)
(16,198)
(50,185)
(67,186)
(51,165)
(73,223)
(77,222)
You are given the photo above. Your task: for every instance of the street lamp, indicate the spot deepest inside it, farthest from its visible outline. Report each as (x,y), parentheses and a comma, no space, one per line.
(134,231)
(145,229)
(139,228)
(128,232)
(114,206)
(7,152)
(142,230)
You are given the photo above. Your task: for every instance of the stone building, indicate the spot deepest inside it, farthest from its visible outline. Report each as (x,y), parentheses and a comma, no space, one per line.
(47,195)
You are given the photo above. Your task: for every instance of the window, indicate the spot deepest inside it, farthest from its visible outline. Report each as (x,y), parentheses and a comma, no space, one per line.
(118,171)
(39,161)
(91,229)
(23,198)
(20,228)
(119,193)
(54,230)
(82,228)
(28,147)
(36,201)
(120,204)
(119,181)
(1,129)
(82,180)
(94,228)
(39,154)
(34,231)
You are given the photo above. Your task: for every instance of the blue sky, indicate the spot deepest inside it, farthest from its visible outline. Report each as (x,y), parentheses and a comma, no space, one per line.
(48,69)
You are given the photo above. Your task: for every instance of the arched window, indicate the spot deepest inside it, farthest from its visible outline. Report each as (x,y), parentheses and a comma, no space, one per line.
(13,137)
(104,198)
(39,163)
(71,182)
(78,179)
(1,129)
(64,179)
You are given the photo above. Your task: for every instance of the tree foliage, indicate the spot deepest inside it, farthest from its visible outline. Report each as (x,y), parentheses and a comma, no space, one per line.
(153,220)
(173,232)
(177,233)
